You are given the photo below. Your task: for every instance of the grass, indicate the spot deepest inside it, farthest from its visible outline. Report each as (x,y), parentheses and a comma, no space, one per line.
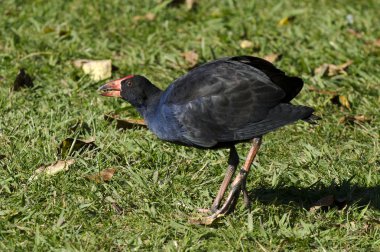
(159,185)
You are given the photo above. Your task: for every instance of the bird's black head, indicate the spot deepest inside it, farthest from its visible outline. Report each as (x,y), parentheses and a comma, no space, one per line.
(135,89)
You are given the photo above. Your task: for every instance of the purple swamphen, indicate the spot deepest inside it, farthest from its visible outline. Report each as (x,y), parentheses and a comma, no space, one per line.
(217,105)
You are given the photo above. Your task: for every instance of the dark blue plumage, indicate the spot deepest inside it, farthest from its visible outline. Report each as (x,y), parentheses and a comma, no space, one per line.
(219,103)
(216,105)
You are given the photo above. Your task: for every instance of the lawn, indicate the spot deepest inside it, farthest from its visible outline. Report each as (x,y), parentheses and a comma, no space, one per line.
(158,186)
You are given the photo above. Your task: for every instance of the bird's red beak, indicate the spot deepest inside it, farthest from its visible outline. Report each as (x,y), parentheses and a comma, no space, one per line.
(113,88)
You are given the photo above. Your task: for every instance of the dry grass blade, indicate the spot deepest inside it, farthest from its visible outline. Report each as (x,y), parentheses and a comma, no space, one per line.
(320,91)
(125,123)
(354,119)
(148,17)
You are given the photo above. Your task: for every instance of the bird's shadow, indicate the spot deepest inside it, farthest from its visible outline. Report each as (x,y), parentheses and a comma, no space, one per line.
(344,194)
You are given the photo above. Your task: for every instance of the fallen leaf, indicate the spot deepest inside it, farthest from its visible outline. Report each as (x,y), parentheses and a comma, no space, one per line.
(22,80)
(246,44)
(332,70)
(354,119)
(125,123)
(102,176)
(51,169)
(148,16)
(272,57)
(70,145)
(96,69)
(319,91)
(326,201)
(341,100)
(286,20)
(191,58)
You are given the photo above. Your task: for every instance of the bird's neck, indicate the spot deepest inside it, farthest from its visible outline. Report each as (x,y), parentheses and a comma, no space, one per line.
(153,95)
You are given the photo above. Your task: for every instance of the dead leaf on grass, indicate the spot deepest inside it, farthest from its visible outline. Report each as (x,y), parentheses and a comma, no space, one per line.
(354,119)
(341,100)
(246,44)
(191,58)
(102,176)
(148,17)
(51,169)
(96,69)
(70,145)
(286,20)
(273,57)
(332,70)
(201,221)
(22,80)
(125,123)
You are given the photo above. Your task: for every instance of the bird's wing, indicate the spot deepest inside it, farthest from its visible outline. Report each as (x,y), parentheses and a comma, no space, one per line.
(215,100)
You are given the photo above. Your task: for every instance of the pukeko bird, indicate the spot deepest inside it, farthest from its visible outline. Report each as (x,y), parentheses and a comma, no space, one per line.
(217,105)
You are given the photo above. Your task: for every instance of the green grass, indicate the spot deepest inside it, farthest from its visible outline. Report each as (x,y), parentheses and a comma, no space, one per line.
(159,185)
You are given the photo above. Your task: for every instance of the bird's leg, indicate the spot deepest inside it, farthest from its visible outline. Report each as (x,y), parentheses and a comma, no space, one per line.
(233,162)
(239,182)
(245,193)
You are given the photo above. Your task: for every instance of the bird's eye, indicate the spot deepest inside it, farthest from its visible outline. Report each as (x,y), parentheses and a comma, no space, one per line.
(129,83)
